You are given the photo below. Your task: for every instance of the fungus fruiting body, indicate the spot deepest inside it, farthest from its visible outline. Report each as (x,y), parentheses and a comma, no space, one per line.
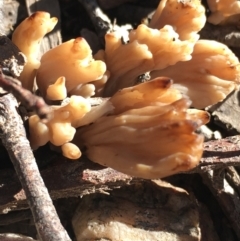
(200,78)
(148,49)
(224,12)
(27,36)
(149,136)
(145,130)
(73,60)
(62,127)
(57,90)
(187,17)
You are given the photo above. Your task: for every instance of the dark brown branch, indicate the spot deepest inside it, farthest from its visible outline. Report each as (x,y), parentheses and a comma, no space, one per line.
(25,96)
(13,137)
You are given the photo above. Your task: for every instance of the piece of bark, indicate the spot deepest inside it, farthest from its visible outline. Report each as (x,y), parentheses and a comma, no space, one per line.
(64,179)
(219,154)
(226,196)
(150,210)
(8,16)
(12,134)
(71,179)
(208,231)
(54,38)
(229,35)
(226,113)
(193,183)
(233,179)
(12,60)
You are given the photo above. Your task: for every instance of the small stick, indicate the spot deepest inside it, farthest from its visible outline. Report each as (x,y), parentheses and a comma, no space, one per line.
(12,134)
(25,96)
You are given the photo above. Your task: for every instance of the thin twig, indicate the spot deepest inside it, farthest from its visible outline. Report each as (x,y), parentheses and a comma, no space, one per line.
(25,96)
(13,137)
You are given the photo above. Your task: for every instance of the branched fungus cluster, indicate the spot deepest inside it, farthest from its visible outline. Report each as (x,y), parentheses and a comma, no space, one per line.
(147,129)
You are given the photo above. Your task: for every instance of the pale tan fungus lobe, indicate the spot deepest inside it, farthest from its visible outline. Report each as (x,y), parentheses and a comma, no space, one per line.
(73,111)
(146,135)
(57,91)
(211,74)
(27,36)
(62,127)
(73,60)
(176,24)
(187,17)
(85,90)
(39,132)
(99,84)
(71,151)
(95,113)
(148,49)
(224,12)
(160,89)
(164,44)
(124,62)
(61,132)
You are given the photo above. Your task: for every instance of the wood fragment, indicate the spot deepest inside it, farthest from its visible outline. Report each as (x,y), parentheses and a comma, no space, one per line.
(26,97)
(70,179)
(233,178)
(8,16)
(208,232)
(146,211)
(12,134)
(226,197)
(63,179)
(226,113)
(228,35)
(12,60)
(219,154)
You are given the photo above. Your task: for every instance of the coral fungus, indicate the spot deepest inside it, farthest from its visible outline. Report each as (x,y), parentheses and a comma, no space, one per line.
(145,130)
(149,136)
